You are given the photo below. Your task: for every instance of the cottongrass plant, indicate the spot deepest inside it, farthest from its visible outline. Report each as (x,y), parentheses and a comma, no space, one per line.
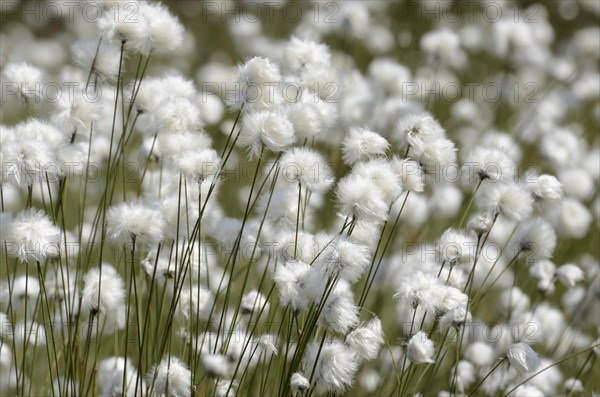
(307,228)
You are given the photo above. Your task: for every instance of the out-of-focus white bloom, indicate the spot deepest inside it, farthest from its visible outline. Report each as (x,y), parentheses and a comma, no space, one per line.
(268,344)
(214,364)
(480,354)
(27,77)
(359,197)
(444,45)
(545,187)
(300,54)
(265,129)
(335,367)
(299,383)
(369,379)
(307,167)
(489,164)
(254,302)
(196,303)
(465,375)
(570,218)
(569,274)
(134,220)
(544,271)
(526,391)
(420,349)
(101,58)
(32,236)
(112,371)
(366,339)
(514,301)
(536,239)
(577,183)
(389,74)
(561,148)
(411,174)
(573,385)
(170,377)
(523,358)
(480,224)
(361,144)
(226,388)
(509,200)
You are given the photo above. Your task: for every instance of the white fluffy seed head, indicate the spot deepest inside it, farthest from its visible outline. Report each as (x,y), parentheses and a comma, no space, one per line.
(381,173)
(178,114)
(134,220)
(535,239)
(366,340)
(489,164)
(165,33)
(214,364)
(339,313)
(418,130)
(170,377)
(420,349)
(523,358)
(509,200)
(102,58)
(359,197)
(360,144)
(120,28)
(411,174)
(307,167)
(335,367)
(32,236)
(256,81)
(26,76)
(254,302)
(569,274)
(288,278)
(546,187)
(103,291)
(300,54)
(265,129)
(435,156)
(299,383)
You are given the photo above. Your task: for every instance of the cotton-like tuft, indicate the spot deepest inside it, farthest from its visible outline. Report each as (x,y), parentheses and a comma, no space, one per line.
(127,221)
(509,200)
(523,358)
(170,377)
(265,129)
(361,144)
(32,236)
(359,197)
(420,349)
(366,339)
